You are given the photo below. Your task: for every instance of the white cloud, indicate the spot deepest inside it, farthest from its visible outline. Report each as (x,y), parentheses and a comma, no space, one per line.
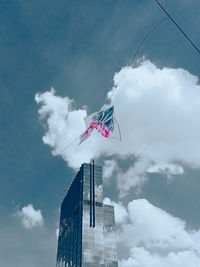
(166,168)
(30,217)
(65,125)
(119,211)
(157,110)
(134,177)
(142,258)
(108,169)
(156,238)
(145,216)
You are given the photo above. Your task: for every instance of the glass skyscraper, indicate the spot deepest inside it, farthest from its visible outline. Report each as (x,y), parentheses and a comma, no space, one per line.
(87,226)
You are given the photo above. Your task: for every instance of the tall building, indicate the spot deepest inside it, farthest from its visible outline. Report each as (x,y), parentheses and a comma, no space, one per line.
(87,226)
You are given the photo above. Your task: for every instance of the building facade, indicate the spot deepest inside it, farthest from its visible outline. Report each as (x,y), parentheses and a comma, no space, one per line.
(87,226)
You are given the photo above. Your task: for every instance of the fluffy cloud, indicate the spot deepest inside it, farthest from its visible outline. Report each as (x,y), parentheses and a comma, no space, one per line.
(64,124)
(142,258)
(145,225)
(108,169)
(157,110)
(156,238)
(121,214)
(30,217)
(134,177)
(166,168)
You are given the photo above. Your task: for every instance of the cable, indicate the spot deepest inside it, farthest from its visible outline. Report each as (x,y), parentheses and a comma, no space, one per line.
(137,51)
(186,36)
(33,174)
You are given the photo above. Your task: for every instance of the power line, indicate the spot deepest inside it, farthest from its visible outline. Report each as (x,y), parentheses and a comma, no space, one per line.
(34,173)
(138,49)
(186,36)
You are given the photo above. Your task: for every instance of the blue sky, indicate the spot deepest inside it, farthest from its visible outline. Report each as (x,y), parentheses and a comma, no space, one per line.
(77,47)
